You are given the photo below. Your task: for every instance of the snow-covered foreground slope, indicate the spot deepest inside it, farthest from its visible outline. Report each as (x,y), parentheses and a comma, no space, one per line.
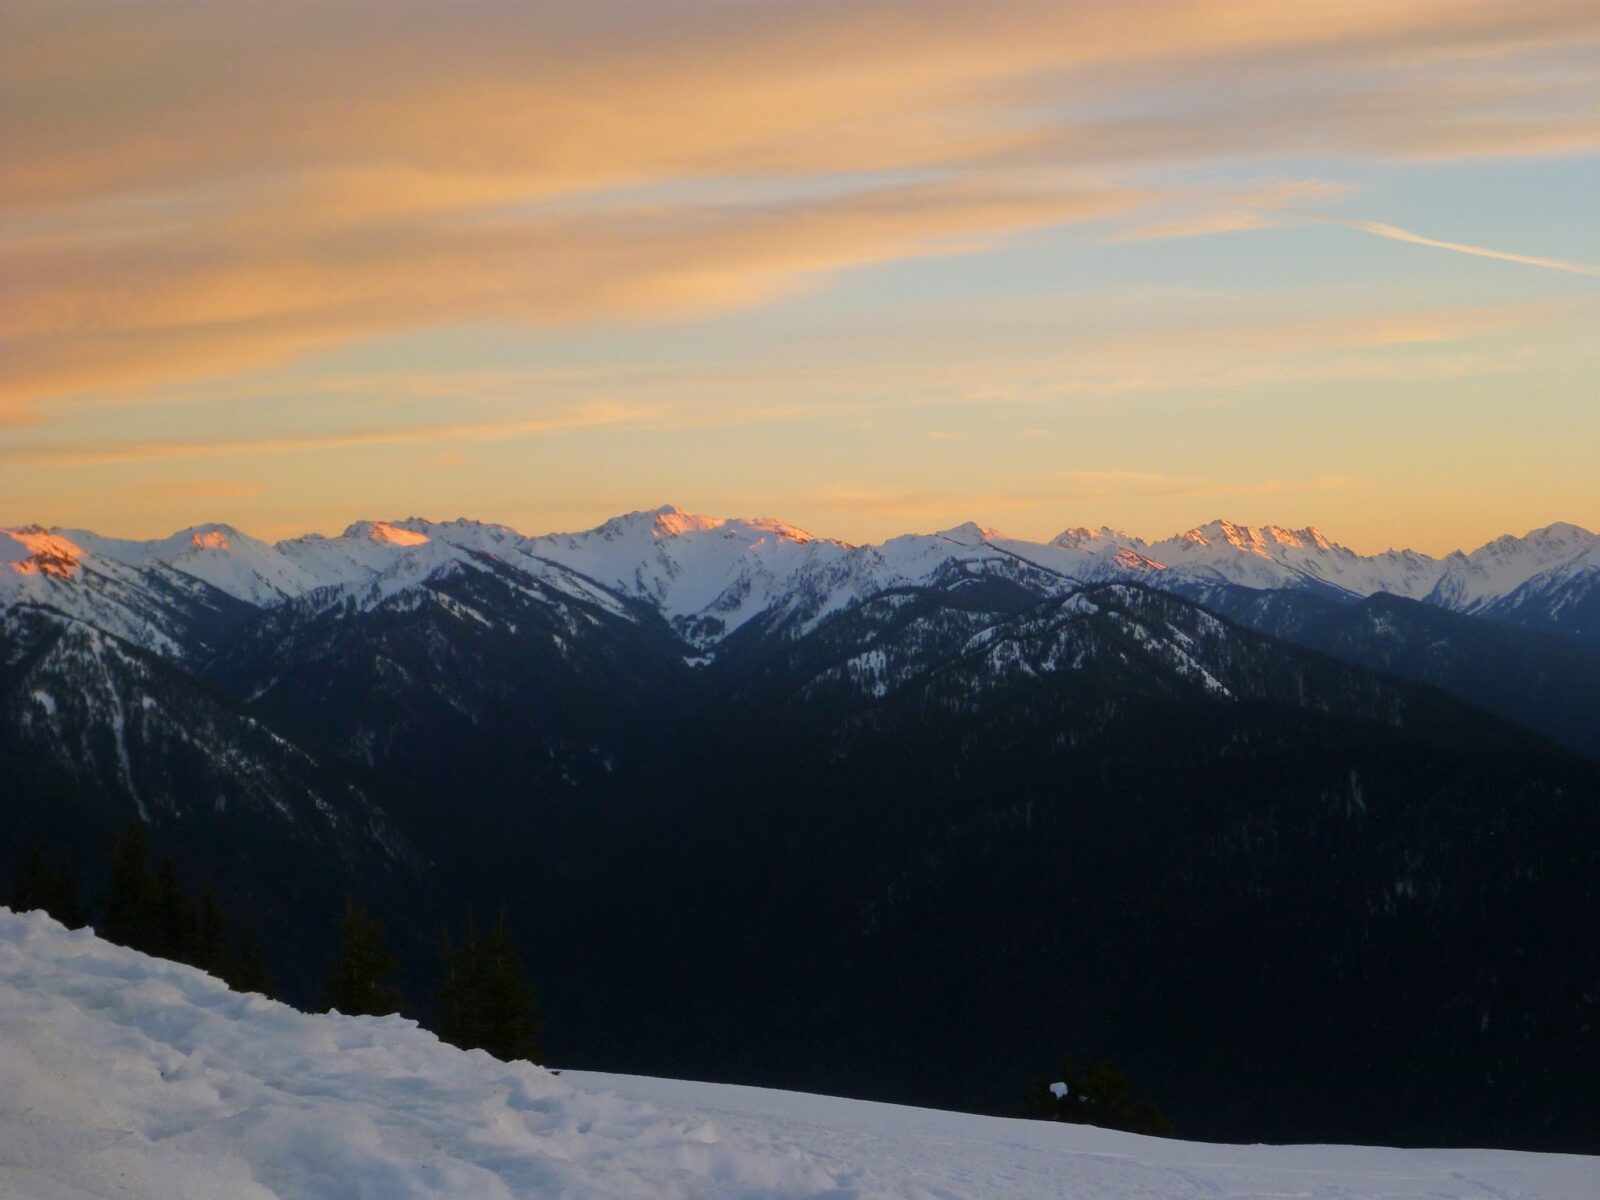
(891,1150)
(130,1077)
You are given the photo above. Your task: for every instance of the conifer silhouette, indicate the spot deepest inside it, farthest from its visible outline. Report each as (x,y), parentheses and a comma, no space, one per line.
(360,982)
(486,1001)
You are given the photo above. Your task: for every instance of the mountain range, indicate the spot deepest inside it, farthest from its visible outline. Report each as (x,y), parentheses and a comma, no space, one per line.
(1241,808)
(727,588)
(709,576)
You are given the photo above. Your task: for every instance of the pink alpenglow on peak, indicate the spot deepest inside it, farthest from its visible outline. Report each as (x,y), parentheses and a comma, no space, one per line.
(1260,540)
(710,575)
(672,521)
(779,529)
(33,550)
(397,534)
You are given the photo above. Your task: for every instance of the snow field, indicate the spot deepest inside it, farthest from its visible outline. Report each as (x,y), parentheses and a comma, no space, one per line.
(128,1077)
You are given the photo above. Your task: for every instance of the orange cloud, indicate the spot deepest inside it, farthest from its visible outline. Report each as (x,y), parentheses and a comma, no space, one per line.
(200,190)
(120,100)
(594,416)
(186,305)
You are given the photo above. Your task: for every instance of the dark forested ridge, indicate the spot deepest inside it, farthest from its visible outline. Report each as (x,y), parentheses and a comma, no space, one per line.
(1542,680)
(950,834)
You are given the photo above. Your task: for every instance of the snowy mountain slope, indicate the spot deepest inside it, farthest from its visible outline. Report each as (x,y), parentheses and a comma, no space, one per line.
(127,1077)
(991,740)
(1273,557)
(711,577)
(918,638)
(1564,598)
(372,562)
(362,552)
(1468,582)
(1537,679)
(937,1153)
(124,734)
(452,663)
(1111,639)
(1270,556)
(231,561)
(1548,579)
(153,605)
(687,565)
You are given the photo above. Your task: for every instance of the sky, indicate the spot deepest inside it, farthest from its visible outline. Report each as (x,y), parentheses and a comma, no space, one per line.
(870,267)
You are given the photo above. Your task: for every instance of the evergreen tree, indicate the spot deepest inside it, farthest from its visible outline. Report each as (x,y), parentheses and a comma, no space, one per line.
(175,925)
(250,974)
(513,1027)
(152,913)
(55,892)
(64,904)
(457,1021)
(28,894)
(360,982)
(486,1001)
(211,938)
(130,900)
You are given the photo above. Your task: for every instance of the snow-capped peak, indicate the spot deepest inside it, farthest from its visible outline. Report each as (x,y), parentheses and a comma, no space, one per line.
(672,521)
(1300,539)
(689,567)
(211,539)
(34,550)
(396,533)
(710,575)
(1551,542)
(1273,556)
(1252,539)
(234,562)
(1468,582)
(780,529)
(970,533)
(1079,537)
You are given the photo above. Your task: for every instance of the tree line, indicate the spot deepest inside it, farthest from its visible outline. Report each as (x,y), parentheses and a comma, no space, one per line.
(484,999)
(484,1002)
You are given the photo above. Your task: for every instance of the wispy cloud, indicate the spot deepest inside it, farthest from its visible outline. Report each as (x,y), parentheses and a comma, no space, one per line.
(186,305)
(1405,235)
(588,417)
(1211,211)
(380,169)
(1276,205)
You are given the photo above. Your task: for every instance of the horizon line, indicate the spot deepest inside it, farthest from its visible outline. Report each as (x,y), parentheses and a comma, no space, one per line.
(986,530)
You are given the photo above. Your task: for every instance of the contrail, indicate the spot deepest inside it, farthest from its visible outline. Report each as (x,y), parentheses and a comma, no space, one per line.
(1405,235)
